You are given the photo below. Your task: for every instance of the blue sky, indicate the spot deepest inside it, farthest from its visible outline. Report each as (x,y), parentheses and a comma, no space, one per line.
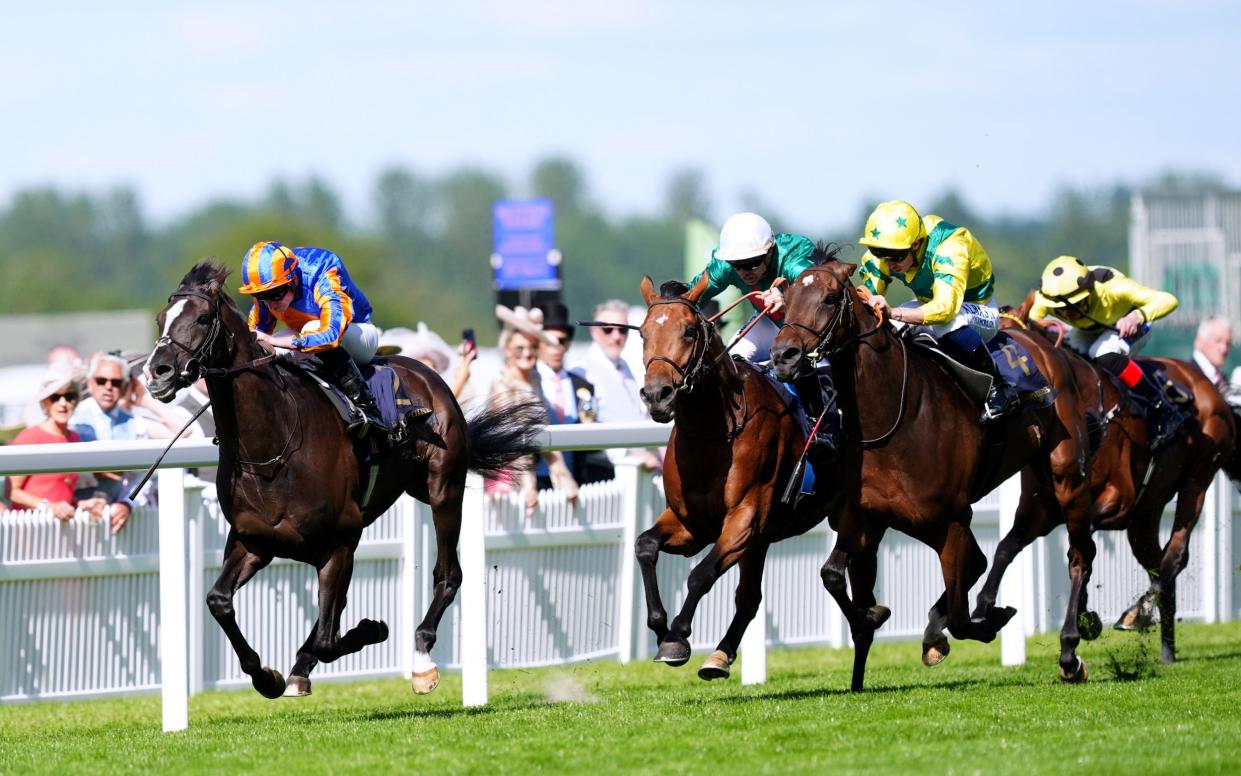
(813,106)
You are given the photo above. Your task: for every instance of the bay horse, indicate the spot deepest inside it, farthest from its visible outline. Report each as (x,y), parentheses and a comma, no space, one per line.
(916,456)
(289,481)
(734,445)
(1130,486)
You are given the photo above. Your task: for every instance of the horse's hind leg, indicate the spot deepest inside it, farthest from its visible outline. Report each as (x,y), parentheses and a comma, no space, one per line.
(1175,559)
(670,536)
(239,566)
(749,596)
(328,644)
(446,513)
(1143,535)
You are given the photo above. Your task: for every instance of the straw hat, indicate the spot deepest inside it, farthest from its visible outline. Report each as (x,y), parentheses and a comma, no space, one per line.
(526,321)
(59,375)
(419,344)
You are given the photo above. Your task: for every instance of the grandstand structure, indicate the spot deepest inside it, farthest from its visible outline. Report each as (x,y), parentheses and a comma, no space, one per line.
(1189,242)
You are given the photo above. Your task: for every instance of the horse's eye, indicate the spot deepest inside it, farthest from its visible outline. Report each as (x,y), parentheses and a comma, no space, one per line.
(831,299)
(204,319)
(691,332)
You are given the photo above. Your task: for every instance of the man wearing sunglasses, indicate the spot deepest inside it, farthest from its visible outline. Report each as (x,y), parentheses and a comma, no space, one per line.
(310,292)
(950,275)
(1111,316)
(100,417)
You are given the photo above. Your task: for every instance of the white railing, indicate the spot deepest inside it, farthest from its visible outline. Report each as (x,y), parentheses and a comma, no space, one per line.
(80,608)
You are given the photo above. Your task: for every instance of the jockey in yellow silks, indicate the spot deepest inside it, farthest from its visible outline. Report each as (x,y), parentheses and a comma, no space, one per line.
(1110,315)
(950,275)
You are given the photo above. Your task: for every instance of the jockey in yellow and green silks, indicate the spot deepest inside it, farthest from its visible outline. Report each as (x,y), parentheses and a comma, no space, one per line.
(950,275)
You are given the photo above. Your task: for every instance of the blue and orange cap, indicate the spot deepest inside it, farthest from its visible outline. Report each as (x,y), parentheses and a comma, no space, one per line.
(267,265)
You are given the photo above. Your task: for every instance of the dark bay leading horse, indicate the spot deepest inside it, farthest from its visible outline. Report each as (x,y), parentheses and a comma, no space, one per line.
(915,457)
(734,445)
(289,482)
(1120,464)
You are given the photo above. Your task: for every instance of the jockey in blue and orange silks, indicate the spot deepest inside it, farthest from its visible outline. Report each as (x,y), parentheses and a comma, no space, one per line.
(310,292)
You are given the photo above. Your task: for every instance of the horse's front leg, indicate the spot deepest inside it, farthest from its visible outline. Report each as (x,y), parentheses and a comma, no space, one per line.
(734,540)
(749,596)
(240,565)
(669,535)
(334,578)
(855,557)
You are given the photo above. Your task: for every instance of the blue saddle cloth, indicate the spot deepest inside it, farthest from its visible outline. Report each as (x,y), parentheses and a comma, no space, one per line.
(1018,368)
(391,398)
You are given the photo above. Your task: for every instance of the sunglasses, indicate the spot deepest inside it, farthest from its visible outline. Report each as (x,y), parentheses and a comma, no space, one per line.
(272,294)
(750,265)
(70,397)
(115,382)
(610,330)
(562,342)
(890,254)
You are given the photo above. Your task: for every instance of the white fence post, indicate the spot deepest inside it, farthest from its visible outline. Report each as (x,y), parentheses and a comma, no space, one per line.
(628,610)
(473,551)
(1223,570)
(1016,587)
(409,581)
(196,607)
(173,623)
(1208,547)
(754,647)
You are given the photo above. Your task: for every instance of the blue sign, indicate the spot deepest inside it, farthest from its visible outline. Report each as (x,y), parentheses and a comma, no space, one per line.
(525,255)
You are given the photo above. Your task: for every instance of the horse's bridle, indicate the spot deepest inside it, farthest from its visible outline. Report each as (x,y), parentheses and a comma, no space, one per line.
(193,368)
(697,366)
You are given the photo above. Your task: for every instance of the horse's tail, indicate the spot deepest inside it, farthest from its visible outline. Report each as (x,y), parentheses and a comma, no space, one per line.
(503,435)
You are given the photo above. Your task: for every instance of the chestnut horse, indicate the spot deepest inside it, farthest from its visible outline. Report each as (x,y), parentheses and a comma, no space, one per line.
(916,457)
(1120,465)
(290,484)
(734,445)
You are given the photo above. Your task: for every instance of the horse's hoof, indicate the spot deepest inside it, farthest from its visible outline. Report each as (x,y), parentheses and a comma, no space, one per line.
(424,682)
(1167,654)
(1134,620)
(269,682)
(674,653)
(297,687)
(716,666)
(1076,677)
(375,631)
(1089,625)
(877,615)
(934,654)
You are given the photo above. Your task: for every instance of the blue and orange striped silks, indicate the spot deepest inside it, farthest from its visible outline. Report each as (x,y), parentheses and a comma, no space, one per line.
(325,302)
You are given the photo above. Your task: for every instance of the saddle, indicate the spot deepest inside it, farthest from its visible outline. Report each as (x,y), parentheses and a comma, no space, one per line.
(1012,361)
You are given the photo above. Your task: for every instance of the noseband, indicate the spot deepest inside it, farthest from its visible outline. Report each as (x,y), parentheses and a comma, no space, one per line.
(823,335)
(697,366)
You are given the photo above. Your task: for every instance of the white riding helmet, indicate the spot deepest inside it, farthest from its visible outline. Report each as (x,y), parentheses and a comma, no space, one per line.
(744,236)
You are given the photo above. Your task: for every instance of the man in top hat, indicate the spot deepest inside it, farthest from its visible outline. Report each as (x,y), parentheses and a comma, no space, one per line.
(570,398)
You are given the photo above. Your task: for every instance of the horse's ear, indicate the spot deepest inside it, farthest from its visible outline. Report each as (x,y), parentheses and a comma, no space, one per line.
(841,269)
(700,288)
(647,287)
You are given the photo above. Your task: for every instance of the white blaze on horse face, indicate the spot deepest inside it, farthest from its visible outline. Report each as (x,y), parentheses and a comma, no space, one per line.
(661,320)
(170,316)
(807,281)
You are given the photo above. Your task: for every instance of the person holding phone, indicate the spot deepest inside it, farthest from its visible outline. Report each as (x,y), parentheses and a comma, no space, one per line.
(468,351)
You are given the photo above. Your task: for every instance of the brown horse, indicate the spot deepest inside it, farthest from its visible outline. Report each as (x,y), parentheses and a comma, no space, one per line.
(290,484)
(735,442)
(916,457)
(1130,486)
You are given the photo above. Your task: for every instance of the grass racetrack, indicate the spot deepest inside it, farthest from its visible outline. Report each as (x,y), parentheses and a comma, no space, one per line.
(967,715)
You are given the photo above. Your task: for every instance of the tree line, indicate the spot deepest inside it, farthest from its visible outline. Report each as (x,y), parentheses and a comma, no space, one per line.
(422,251)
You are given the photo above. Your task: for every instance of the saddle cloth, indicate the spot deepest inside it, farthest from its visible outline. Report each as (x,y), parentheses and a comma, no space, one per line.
(1013,362)
(794,404)
(390,395)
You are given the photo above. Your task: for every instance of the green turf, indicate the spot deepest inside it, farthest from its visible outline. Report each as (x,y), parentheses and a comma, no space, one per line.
(967,715)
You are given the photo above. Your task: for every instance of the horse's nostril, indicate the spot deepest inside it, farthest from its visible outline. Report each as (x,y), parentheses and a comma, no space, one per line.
(163,371)
(789,354)
(665,393)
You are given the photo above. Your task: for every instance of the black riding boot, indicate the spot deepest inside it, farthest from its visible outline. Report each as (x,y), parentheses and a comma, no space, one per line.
(1163,419)
(818,393)
(1003,398)
(350,380)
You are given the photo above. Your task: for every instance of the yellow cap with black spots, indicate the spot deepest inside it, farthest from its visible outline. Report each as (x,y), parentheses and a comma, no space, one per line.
(1065,281)
(894,225)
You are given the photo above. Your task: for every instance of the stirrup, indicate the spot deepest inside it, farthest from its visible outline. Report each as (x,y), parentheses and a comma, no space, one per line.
(418,415)
(1000,403)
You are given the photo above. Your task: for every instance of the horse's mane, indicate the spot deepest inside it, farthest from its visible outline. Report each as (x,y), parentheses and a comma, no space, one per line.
(825,252)
(205,273)
(672,289)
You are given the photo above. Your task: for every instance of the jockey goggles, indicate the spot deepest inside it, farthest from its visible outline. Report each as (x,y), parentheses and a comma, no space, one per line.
(272,294)
(750,264)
